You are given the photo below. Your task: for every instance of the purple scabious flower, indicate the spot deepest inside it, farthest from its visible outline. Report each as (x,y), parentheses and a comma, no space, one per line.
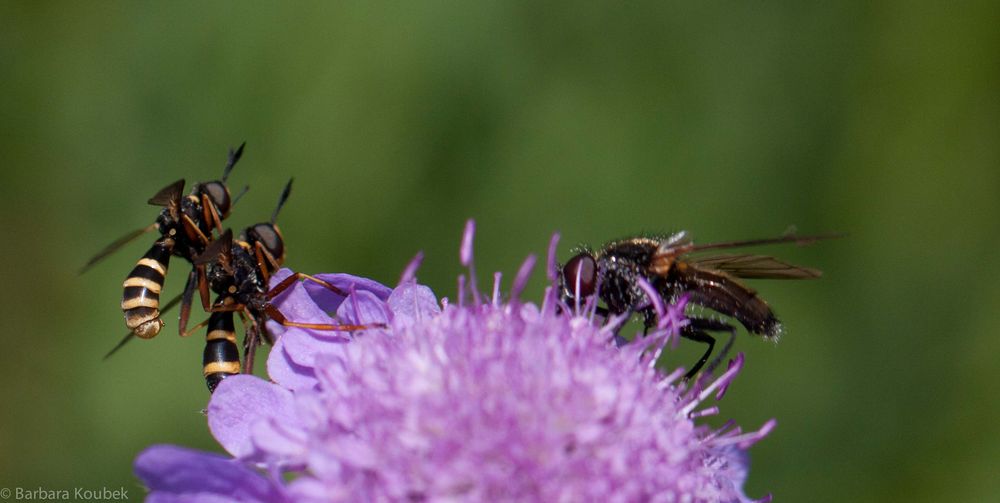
(479,400)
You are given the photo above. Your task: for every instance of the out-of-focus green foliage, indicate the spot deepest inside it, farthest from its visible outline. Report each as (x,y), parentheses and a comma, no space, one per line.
(399,121)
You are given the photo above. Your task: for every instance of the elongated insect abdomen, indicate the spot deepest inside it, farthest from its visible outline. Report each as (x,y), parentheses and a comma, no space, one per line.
(141,294)
(222,357)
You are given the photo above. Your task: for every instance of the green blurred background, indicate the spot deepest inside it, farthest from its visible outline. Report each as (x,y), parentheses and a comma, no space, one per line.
(398,121)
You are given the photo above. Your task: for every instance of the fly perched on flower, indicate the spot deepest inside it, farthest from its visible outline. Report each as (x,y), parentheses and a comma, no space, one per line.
(612,273)
(481,399)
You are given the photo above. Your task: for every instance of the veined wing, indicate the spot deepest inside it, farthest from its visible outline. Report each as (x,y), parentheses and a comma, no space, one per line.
(754,267)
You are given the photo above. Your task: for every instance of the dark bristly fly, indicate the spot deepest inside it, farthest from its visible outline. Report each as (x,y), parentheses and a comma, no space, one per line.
(710,281)
(185,225)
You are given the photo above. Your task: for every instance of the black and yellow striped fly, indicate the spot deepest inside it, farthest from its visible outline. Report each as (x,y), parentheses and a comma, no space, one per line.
(186,225)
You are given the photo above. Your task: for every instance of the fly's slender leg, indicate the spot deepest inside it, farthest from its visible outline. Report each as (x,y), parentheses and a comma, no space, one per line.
(698,336)
(289,281)
(251,340)
(186,298)
(696,330)
(193,232)
(265,259)
(275,314)
(210,214)
(715,326)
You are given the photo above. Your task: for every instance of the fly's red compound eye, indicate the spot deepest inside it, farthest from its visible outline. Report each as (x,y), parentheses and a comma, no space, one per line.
(581,270)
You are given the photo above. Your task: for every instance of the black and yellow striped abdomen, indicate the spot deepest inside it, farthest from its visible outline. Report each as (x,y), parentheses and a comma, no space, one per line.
(141,295)
(222,357)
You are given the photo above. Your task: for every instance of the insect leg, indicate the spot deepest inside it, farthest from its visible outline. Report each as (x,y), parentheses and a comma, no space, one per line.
(210,214)
(186,297)
(715,326)
(697,335)
(196,328)
(696,330)
(251,340)
(203,289)
(289,281)
(275,314)
(193,231)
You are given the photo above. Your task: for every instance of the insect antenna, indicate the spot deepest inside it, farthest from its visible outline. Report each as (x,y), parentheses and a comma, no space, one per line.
(234,157)
(281,201)
(238,196)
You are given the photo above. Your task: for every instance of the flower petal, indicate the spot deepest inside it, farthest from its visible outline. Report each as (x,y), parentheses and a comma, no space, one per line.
(285,371)
(411,303)
(177,474)
(307,490)
(238,403)
(281,438)
(363,308)
(302,345)
(330,301)
(159,497)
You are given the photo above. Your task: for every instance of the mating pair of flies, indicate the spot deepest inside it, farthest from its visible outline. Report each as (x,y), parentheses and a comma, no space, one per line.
(237,270)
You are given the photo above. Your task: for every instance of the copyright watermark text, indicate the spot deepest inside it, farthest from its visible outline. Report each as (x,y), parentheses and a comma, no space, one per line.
(71,494)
